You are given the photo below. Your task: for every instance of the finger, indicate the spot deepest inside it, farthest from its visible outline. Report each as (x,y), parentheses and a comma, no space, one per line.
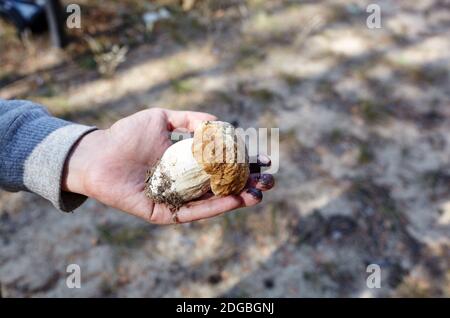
(258,162)
(261,181)
(212,207)
(186,119)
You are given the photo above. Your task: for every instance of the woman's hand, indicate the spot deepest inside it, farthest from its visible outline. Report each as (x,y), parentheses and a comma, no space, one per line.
(110,166)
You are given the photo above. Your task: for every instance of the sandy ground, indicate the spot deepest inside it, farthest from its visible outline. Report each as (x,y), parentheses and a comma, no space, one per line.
(364,178)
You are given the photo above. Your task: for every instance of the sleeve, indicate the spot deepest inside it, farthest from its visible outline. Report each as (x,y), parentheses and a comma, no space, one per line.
(33,149)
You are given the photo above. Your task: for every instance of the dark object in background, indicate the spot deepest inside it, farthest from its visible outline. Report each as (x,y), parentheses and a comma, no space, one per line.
(56,19)
(36,16)
(25,15)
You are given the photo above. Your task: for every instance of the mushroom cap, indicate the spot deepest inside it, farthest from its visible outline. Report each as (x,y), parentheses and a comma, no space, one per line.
(223,155)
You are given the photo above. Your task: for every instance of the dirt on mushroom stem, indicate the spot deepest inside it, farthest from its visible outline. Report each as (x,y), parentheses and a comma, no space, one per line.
(173,200)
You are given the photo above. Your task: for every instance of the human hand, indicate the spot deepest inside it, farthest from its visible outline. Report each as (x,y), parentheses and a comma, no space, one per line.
(110,165)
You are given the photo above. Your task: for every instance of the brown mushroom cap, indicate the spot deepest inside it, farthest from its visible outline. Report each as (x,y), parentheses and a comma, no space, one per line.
(223,155)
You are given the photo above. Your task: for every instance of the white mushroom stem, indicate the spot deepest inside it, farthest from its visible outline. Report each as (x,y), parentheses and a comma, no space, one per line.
(178,176)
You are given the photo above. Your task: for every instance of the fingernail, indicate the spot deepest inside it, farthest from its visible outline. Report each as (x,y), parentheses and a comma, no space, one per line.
(264,161)
(266,179)
(256,193)
(255,168)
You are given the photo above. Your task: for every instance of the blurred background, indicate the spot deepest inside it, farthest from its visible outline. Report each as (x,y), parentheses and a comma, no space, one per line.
(364,118)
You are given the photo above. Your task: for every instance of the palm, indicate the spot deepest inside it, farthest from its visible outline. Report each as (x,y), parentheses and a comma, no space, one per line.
(131,146)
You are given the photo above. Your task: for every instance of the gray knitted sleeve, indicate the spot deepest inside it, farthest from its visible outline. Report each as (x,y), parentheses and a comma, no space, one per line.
(33,149)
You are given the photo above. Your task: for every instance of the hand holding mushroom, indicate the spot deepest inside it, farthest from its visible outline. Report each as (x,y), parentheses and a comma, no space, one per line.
(110,165)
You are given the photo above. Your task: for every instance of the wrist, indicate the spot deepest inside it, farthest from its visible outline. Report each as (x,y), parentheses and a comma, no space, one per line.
(80,161)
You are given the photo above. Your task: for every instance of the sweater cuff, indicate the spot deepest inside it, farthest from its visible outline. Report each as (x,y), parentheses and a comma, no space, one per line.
(43,169)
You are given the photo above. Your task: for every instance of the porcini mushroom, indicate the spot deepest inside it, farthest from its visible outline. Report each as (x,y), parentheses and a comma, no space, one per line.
(214,159)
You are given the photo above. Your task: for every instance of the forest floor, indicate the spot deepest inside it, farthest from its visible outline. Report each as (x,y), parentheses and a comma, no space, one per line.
(364,178)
